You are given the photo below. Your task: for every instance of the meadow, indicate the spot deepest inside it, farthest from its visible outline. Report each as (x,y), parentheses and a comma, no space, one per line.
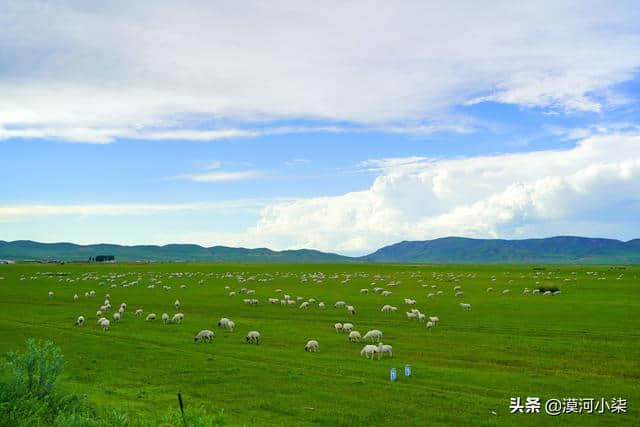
(582,343)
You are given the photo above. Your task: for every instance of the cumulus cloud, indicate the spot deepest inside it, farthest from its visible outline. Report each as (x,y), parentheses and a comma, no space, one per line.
(93,72)
(486,196)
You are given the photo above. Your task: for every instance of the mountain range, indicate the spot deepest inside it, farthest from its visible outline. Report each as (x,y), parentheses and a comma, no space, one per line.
(459,250)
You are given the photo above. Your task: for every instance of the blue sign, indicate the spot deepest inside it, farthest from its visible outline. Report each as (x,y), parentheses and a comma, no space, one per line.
(393,374)
(407,370)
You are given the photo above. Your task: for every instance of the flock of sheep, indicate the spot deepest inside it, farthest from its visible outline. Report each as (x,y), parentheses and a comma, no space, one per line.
(373,336)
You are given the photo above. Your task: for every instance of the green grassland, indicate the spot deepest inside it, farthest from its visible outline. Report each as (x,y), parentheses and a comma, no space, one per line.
(582,343)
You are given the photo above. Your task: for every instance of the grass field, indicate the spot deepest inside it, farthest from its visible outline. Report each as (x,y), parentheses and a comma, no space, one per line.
(583,343)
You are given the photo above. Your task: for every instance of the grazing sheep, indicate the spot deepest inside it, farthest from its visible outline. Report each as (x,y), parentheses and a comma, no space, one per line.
(555,293)
(139,312)
(121,311)
(165,318)
(489,289)
(364,291)
(465,306)
(92,293)
(75,297)
(525,291)
(411,315)
(340,304)
(177,304)
(384,349)
(457,288)
(253,336)
(354,336)
(429,324)
(230,325)
(430,294)
(321,305)
(105,324)
(312,346)
(459,294)
(439,293)
(80,321)
(151,317)
(50,294)
(386,293)
(351,310)
(434,319)
(338,327)
(204,335)
(506,291)
(377,290)
(123,306)
(178,318)
(373,335)
(347,327)
(86,294)
(311,300)
(535,291)
(100,320)
(232,294)
(116,317)
(369,351)
(409,301)
(98,313)
(273,301)
(421,317)
(304,305)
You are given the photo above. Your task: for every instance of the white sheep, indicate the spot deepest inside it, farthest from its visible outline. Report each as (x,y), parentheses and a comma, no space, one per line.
(312,346)
(369,351)
(75,297)
(347,327)
(338,327)
(98,313)
(50,294)
(351,310)
(304,305)
(80,321)
(459,294)
(165,318)
(506,291)
(253,336)
(434,319)
(364,291)
(105,324)
(386,293)
(204,335)
(116,317)
(139,312)
(384,349)
(320,305)
(340,304)
(177,304)
(151,317)
(465,306)
(178,318)
(354,336)
(489,289)
(373,335)
(429,324)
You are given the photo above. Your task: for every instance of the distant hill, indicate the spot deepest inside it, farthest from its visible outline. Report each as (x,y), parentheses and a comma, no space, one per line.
(560,250)
(553,250)
(26,249)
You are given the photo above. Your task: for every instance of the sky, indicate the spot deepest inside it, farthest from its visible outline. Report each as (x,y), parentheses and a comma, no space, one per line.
(341,126)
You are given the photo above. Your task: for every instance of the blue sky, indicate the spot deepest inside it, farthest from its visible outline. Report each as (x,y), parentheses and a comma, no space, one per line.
(252,126)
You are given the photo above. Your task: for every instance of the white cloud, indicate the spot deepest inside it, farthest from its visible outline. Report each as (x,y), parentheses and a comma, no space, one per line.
(94,72)
(487,196)
(222,176)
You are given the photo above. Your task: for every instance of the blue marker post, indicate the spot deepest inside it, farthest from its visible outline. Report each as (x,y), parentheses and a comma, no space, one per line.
(407,370)
(393,374)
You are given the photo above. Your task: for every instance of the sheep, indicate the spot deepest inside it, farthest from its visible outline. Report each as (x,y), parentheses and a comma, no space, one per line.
(304,305)
(116,317)
(439,293)
(287,297)
(409,301)
(386,293)
(465,306)
(351,310)
(430,294)
(75,297)
(457,288)
(388,308)
(347,327)
(364,291)
(555,293)
(340,304)
(151,317)
(232,294)
(429,324)
(338,327)
(226,324)
(177,304)
(253,336)
(204,335)
(165,318)
(320,305)
(377,290)
(98,313)
(92,293)
(411,315)
(86,294)
(100,320)
(535,291)
(525,291)
(489,289)
(421,317)
(121,311)
(178,318)
(139,312)
(354,336)
(291,302)
(123,306)
(50,294)
(434,319)
(230,325)
(459,294)
(506,291)
(273,301)
(373,335)
(105,324)
(384,349)
(369,351)
(79,321)
(312,346)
